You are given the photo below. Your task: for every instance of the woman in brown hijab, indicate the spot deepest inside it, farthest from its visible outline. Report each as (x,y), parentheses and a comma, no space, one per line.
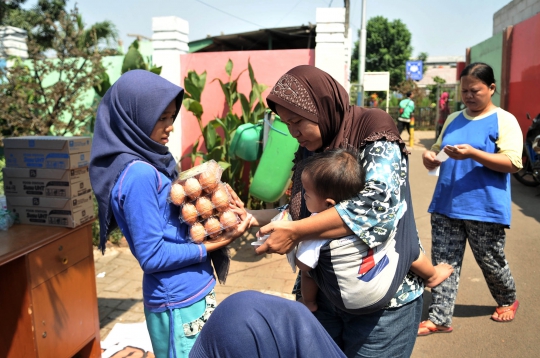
(316,109)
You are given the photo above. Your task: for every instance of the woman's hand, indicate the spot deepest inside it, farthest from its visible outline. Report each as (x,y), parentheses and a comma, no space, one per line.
(459,151)
(228,236)
(429,160)
(495,161)
(282,237)
(237,205)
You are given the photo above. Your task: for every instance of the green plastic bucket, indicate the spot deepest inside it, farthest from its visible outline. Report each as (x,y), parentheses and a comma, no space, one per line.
(273,173)
(247,142)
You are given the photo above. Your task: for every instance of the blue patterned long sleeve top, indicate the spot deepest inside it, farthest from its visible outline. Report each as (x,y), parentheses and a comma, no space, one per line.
(373,215)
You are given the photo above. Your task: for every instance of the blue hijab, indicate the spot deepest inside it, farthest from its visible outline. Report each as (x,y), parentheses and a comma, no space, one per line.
(125,119)
(251,324)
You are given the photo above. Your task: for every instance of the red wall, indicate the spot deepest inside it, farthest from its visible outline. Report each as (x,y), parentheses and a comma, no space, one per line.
(268,66)
(524,84)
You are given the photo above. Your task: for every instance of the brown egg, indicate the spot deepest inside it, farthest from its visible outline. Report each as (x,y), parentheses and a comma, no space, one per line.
(214,167)
(209,180)
(204,207)
(228,220)
(212,227)
(220,199)
(177,194)
(189,213)
(193,188)
(197,233)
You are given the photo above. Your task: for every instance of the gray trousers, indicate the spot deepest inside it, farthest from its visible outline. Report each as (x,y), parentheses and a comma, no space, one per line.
(487,240)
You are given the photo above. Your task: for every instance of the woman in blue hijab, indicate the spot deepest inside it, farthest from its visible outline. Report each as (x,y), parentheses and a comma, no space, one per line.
(131,170)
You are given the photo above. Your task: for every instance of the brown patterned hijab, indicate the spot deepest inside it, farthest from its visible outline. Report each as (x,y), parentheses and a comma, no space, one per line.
(316,96)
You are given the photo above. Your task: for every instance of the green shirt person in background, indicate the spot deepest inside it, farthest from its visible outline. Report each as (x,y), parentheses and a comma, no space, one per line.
(406,113)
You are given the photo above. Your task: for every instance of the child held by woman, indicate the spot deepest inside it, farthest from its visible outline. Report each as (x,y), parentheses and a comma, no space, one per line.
(329,178)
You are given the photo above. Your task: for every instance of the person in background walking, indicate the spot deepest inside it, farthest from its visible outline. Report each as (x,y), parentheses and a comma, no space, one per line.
(406,113)
(472,197)
(444,111)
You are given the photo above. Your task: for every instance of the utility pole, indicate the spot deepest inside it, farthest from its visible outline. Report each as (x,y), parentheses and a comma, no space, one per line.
(362,58)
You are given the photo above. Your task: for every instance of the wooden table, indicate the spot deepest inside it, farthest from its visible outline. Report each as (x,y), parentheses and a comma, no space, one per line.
(48,300)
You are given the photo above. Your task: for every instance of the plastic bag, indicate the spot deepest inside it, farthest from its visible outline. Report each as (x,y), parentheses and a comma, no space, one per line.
(291,255)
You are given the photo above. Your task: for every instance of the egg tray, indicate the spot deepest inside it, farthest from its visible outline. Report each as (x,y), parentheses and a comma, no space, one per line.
(208,228)
(206,205)
(194,182)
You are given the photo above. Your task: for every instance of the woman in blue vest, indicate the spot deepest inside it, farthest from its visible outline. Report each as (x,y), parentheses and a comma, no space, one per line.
(472,197)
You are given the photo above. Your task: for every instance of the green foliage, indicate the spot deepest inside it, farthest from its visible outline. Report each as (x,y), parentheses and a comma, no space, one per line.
(43,96)
(423,57)
(433,89)
(133,60)
(388,47)
(216,145)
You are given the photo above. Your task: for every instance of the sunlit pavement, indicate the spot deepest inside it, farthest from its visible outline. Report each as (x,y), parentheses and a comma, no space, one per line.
(475,335)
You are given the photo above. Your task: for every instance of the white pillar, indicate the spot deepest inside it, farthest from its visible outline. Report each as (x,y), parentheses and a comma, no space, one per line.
(169,41)
(332,50)
(13,42)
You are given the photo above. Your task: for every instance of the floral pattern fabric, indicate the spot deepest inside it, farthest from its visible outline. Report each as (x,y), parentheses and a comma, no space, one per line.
(374,213)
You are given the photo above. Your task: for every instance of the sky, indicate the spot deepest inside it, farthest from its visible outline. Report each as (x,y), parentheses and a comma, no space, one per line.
(438,27)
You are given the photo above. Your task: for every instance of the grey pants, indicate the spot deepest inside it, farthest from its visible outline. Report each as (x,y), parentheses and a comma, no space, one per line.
(449,237)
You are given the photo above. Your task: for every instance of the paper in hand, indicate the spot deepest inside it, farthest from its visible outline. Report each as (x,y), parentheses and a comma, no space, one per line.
(441,157)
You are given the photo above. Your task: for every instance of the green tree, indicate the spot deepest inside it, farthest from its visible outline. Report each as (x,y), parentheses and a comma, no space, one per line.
(423,57)
(39,19)
(388,47)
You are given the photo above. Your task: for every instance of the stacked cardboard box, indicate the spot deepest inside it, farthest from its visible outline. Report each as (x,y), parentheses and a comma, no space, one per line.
(46,180)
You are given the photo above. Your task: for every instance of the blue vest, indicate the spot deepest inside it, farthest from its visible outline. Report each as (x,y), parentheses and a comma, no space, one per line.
(466,189)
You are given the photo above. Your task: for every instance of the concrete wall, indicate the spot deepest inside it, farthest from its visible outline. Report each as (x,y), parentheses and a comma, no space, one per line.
(490,51)
(268,66)
(513,13)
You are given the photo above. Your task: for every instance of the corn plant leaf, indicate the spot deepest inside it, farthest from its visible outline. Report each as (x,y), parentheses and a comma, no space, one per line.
(232,122)
(229,67)
(222,125)
(224,165)
(246,108)
(216,154)
(194,84)
(210,136)
(193,106)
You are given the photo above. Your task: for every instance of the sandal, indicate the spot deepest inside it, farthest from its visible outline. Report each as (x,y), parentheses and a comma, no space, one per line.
(432,329)
(503,309)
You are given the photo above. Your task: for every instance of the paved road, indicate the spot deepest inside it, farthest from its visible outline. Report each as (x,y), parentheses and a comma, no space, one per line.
(475,335)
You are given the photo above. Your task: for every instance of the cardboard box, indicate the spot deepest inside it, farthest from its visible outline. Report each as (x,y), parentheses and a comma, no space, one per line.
(71,204)
(46,182)
(47,152)
(55,217)
(68,212)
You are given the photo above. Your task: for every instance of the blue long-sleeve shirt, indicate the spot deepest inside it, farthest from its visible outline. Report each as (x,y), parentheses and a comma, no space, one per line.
(177,272)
